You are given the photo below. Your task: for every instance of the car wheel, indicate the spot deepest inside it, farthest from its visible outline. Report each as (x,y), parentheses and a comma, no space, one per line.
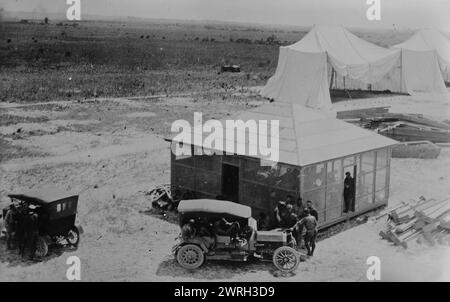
(41,248)
(286,259)
(73,236)
(190,256)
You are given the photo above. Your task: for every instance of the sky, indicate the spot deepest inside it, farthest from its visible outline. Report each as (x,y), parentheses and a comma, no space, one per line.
(351,13)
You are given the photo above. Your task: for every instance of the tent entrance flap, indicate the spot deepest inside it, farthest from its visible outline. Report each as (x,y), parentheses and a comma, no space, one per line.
(301,78)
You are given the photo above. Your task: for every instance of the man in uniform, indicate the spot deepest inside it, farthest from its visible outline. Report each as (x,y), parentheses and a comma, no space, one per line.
(310,224)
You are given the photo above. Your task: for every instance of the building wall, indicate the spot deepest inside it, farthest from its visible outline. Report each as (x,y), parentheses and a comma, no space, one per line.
(323,184)
(261,187)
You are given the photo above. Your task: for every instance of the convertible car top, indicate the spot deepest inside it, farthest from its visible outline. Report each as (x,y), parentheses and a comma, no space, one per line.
(43,196)
(215,206)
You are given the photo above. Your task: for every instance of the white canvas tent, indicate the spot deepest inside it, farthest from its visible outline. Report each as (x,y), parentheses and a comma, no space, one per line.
(427,40)
(301,76)
(333,57)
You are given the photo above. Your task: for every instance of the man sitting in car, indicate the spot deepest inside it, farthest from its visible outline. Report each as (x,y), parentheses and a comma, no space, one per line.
(222,227)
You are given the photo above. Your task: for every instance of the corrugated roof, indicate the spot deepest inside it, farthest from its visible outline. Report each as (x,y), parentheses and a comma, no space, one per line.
(308,136)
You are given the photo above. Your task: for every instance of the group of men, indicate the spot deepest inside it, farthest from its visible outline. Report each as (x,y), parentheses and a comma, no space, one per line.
(290,214)
(22,227)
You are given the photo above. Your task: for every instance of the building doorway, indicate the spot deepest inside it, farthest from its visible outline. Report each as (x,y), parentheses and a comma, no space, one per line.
(349,194)
(230,182)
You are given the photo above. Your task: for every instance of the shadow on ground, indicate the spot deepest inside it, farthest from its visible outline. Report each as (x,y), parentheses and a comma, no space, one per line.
(220,270)
(12,257)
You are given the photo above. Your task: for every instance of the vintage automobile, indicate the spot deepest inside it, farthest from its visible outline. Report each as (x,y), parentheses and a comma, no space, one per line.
(56,212)
(200,239)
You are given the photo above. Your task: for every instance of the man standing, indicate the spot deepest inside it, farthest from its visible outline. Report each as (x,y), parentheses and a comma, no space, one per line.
(10,225)
(310,224)
(312,210)
(349,193)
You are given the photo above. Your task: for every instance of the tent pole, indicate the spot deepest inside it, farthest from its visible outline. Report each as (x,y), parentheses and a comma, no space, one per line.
(401,70)
(332,78)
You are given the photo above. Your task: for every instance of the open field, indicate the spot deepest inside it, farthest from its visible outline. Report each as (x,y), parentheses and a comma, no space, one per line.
(69,116)
(61,61)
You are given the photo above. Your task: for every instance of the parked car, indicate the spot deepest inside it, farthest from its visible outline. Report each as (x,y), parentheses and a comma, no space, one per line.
(223,230)
(56,217)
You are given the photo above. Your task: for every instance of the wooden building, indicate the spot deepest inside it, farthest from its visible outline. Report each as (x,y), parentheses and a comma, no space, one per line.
(315,151)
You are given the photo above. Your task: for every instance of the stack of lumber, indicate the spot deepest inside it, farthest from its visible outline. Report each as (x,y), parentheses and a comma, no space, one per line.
(427,219)
(399,126)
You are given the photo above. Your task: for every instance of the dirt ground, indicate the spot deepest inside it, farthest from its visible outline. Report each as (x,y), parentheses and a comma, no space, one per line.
(112,149)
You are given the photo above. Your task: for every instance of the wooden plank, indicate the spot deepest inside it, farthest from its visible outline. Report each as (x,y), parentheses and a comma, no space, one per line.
(437,210)
(417,119)
(396,240)
(385,236)
(405,226)
(402,237)
(361,113)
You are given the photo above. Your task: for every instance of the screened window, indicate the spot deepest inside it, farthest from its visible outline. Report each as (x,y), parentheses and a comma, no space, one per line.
(349,161)
(313,177)
(318,199)
(334,197)
(365,185)
(380,182)
(207,182)
(382,158)
(380,195)
(255,172)
(368,162)
(286,177)
(255,195)
(334,172)
(183,176)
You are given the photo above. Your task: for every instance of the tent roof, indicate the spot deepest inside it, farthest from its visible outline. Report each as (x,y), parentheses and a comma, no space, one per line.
(301,76)
(308,136)
(429,39)
(341,45)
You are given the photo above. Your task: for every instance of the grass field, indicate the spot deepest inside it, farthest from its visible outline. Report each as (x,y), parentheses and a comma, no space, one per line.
(88,59)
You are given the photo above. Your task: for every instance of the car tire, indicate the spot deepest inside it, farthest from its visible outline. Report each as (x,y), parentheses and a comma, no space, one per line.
(286,259)
(41,248)
(190,256)
(73,236)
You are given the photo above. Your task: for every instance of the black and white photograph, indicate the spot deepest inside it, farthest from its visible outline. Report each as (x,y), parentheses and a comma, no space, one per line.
(232,142)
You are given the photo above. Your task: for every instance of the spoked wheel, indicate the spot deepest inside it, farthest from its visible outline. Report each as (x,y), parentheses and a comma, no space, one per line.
(286,259)
(73,236)
(41,248)
(190,256)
